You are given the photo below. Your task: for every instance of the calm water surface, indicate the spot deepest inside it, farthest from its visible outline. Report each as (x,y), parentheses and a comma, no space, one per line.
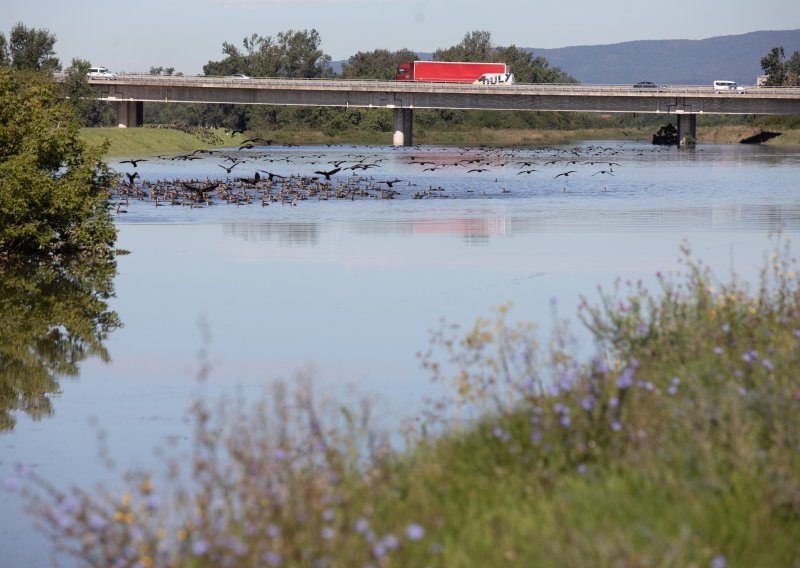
(347,290)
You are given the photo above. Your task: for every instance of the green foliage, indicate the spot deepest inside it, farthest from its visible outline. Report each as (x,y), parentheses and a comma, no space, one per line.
(477,46)
(675,445)
(29,48)
(52,317)
(781,73)
(53,188)
(293,54)
(378,64)
(83,99)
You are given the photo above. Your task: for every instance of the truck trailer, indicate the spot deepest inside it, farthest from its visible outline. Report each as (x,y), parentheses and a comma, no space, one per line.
(454,72)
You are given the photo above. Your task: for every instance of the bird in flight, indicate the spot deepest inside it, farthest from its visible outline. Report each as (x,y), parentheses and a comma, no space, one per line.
(132,176)
(609,172)
(390,182)
(228,169)
(478,170)
(271,176)
(132,161)
(565,174)
(526,171)
(328,173)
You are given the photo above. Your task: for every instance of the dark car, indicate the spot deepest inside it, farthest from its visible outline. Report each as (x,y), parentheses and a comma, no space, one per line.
(645,85)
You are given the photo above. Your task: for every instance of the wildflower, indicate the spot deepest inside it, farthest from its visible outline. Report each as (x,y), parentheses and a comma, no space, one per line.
(153,502)
(642,329)
(719,561)
(613,402)
(362,525)
(200,547)
(415,532)
(96,522)
(565,422)
(536,436)
(750,356)
(328,533)
(11,484)
(279,454)
(718,350)
(726,327)
(616,426)
(390,542)
(581,469)
(497,432)
(379,551)
(560,408)
(272,558)
(273,531)
(672,390)
(626,379)
(588,403)
(329,515)
(768,365)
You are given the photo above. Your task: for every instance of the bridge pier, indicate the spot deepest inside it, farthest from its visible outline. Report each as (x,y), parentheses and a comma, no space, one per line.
(130,113)
(687,126)
(402,120)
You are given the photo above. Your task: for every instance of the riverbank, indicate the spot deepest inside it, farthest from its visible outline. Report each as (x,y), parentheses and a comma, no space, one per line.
(149,141)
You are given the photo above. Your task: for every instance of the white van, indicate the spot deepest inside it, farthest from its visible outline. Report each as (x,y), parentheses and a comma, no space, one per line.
(100,73)
(720,86)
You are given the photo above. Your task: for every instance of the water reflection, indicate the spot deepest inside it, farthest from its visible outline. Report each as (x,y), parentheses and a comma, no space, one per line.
(52,317)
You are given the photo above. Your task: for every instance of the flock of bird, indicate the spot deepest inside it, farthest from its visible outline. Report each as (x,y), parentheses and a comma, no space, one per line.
(357,175)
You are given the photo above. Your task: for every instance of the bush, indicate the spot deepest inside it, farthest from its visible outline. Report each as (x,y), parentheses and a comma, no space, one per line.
(53,189)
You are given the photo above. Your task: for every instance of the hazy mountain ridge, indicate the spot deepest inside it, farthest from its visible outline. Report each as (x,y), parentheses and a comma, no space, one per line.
(673,61)
(676,62)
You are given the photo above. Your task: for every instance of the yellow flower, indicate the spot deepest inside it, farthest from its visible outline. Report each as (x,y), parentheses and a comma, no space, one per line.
(146,561)
(119,515)
(147,486)
(126,500)
(181,534)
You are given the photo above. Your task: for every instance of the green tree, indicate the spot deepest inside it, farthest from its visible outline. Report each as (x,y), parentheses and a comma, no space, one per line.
(294,54)
(773,67)
(5,58)
(793,70)
(30,48)
(53,315)
(53,188)
(476,46)
(378,64)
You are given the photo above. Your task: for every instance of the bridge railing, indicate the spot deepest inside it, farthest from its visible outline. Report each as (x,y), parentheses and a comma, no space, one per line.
(414,86)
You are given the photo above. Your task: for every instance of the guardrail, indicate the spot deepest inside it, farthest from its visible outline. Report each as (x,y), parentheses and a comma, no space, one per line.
(413,86)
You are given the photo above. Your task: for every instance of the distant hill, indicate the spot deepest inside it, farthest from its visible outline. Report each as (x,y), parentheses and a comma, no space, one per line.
(673,61)
(676,61)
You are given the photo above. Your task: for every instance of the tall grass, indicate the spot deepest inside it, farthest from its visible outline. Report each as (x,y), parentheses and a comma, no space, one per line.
(676,444)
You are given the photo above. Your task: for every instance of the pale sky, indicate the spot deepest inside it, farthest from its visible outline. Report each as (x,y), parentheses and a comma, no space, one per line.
(186,34)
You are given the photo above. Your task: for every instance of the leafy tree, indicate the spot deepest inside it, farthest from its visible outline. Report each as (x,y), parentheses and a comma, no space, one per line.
(5,58)
(52,317)
(53,196)
(476,46)
(30,48)
(793,70)
(377,64)
(294,54)
(164,71)
(773,67)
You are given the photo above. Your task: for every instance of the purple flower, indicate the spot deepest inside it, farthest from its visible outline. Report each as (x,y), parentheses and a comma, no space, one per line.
(719,561)
(642,329)
(96,522)
(750,356)
(153,502)
(390,542)
(626,379)
(565,422)
(616,426)
(200,547)
(11,484)
(672,390)
(415,532)
(497,432)
(379,551)
(329,515)
(273,531)
(536,436)
(768,365)
(718,350)
(328,533)
(362,525)
(272,558)
(279,454)
(581,468)
(726,327)
(613,402)
(560,408)
(587,403)
(600,366)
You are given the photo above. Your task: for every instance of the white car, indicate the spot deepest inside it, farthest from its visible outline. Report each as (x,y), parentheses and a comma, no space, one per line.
(722,86)
(100,73)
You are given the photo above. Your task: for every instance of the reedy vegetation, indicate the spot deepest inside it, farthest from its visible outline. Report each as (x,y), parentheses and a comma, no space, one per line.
(675,444)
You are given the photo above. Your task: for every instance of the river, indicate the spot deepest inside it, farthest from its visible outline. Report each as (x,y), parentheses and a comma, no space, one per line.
(347,289)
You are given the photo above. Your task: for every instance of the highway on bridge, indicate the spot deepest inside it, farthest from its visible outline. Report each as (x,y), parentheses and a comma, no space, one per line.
(130,90)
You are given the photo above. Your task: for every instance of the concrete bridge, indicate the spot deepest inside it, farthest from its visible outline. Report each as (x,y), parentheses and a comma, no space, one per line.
(130,91)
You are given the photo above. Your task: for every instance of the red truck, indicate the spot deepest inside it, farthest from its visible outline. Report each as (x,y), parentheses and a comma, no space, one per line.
(454,72)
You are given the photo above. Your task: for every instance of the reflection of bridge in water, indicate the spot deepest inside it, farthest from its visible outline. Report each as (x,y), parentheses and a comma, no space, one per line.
(131,91)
